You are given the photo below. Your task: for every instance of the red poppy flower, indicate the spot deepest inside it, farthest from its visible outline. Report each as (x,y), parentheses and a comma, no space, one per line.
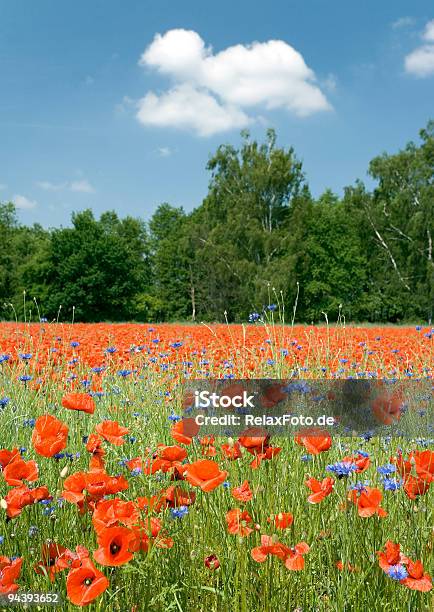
(9,573)
(417,580)
(114,512)
(22,496)
(212,562)
(268,453)
(387,409)
(112,432)
(391,555)
(345,567)
(49,435)
(79,401)
(242,493)
(368,502)
(315,441)
(424,464)
(93,485)
(208,448)
(184,431)
(238,522)
(48,565)
(94,446)
(175,497)
(254,440)
(360,461)
(320,490)
(231,451)
(116,545)
(415,486)
(291,557)
(85,583)
(205,474)
(19,470)
(273,394)
(283,520)
(6,456)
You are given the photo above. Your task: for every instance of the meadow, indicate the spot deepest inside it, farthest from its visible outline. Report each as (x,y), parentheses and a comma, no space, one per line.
(106,500)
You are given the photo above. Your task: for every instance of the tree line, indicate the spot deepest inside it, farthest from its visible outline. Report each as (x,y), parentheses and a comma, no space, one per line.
(259,237)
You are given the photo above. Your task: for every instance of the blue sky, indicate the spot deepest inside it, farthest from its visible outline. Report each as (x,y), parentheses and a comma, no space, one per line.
(97,112)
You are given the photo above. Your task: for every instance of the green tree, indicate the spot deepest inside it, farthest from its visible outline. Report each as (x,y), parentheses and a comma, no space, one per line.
(98,267)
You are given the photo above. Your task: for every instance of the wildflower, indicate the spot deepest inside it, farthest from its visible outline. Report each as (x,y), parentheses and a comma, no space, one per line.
(85,583)
(49,435)
(238,522)
(320,490)
(212,562)
(242,493)
(205,474)
(79,401)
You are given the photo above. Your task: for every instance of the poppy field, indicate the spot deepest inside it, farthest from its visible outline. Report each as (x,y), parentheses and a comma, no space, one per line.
(107,499)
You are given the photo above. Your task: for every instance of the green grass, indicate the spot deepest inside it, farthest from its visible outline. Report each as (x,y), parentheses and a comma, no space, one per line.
(177,579)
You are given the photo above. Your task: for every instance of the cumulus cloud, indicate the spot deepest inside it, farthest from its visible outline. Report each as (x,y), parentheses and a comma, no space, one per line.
(82,186)
(24,203)
(403,22)
(164,151)
(49,186)
(212,92)
(420,62)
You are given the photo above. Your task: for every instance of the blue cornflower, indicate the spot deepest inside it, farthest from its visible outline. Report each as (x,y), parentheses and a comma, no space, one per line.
(25,356)
(4,401)
(342,468)
(272,307)
(136,471)
(397,572)
(111,349)
(254,316)
(174,417)
(74,344)
(179,512)
(391,484)
(25,378)
(386,470)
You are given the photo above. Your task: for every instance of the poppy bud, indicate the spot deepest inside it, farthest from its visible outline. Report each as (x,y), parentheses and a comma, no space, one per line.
(3,504)
(212,562)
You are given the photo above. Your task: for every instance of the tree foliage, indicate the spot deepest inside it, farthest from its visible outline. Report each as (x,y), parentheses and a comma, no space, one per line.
(259,235)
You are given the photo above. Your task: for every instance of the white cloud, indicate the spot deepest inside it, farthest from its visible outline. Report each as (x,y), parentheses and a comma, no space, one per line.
(212,92)
(403,22)
(420,62)
(82,186)
(3,186)
(22,202)
(190,108)
(428,34)
(164,151)
(49,186)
